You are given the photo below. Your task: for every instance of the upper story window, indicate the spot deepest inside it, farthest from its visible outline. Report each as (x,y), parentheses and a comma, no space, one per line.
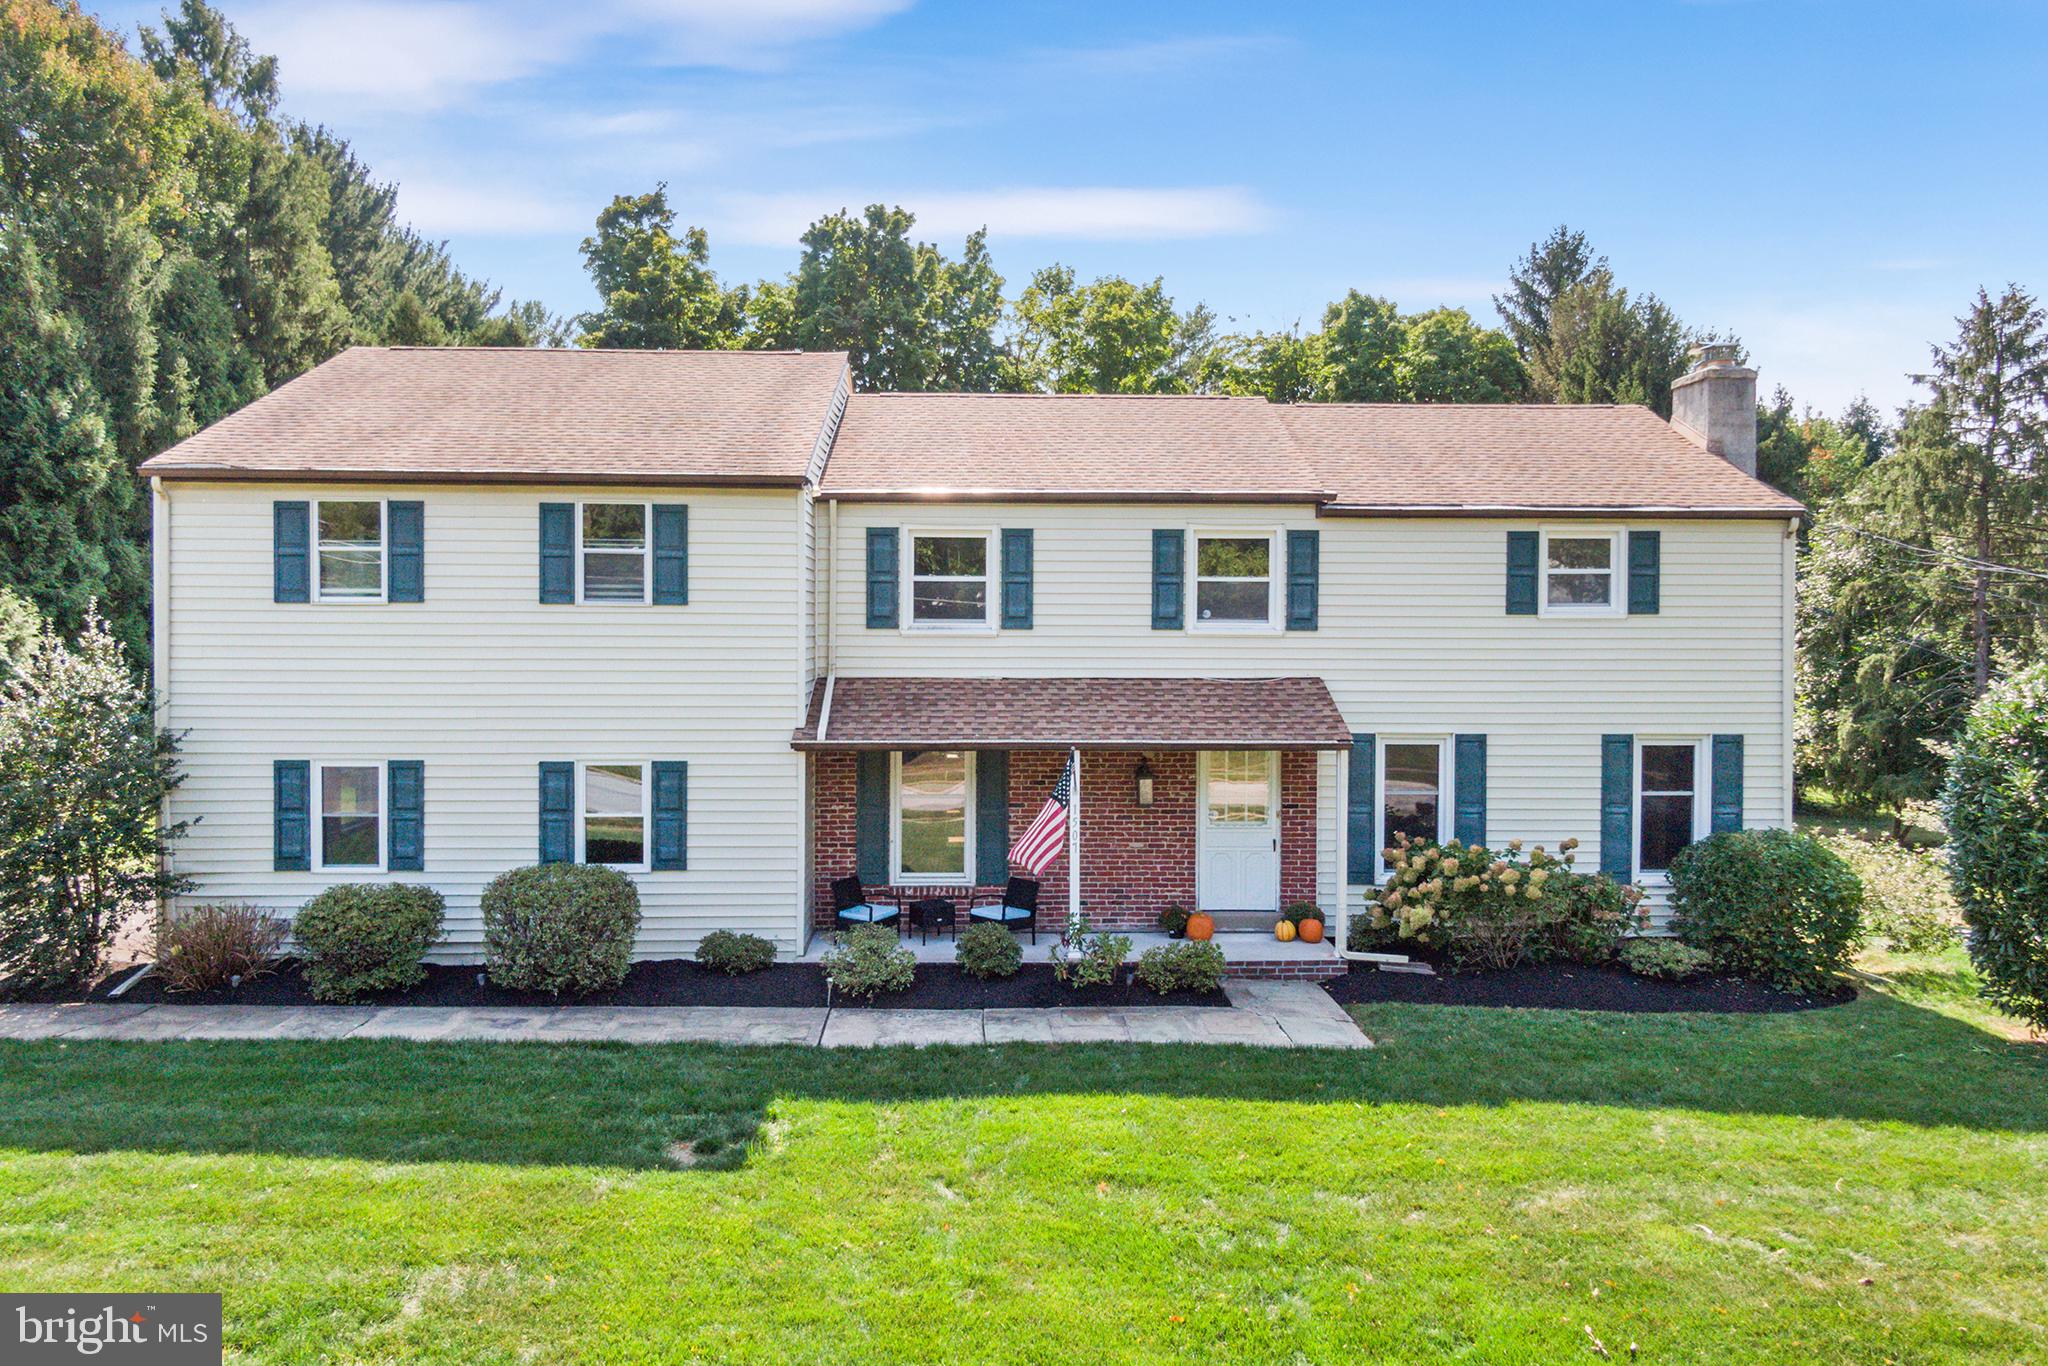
(351,815)
(1580,572)
(934,816)
(1233,580)
(350,551)
(612,824)
(1667,802)
(612,559)
(950,579)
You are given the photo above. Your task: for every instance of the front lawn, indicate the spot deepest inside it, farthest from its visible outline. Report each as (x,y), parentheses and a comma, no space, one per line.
(1862,1183)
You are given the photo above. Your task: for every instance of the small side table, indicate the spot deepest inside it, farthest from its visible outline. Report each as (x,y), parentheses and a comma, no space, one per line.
(934,913)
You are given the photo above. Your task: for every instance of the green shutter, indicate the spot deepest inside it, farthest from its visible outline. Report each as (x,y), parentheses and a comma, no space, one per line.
(407,780)
(406,526)
(558,552)
(871,818)
(1727,800)
(1468,778)
(1645,572)
(1169,571)
(1304,569)
(882,575)
(1361,859)
(671,554)
(291,792)
(1017,579)
(290,561)
(991,817)
(557,812)
(1618,806)
(1521,573)
(671,816)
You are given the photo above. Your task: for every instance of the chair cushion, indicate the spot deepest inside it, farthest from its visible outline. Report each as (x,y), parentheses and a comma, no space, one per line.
(867,912)
(1000,913)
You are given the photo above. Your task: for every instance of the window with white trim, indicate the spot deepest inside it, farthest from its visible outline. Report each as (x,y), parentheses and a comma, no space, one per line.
(349,547)
(1668,806)
(1581,574)
(1233,580)
(1412,783)
(351,815)
(611,815)
(934,816)
(951,579)
(612,563)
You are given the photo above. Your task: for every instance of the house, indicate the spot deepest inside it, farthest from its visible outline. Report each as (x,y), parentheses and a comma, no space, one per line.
(430,614)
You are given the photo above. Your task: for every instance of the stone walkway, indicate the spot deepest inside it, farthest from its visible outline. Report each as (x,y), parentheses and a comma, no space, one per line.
(1264,1014)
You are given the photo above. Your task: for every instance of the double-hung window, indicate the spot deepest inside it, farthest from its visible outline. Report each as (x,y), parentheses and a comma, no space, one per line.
(350,551)
(1580,573)
(1412,787)
(612,562)
(934,816)
(1668,806)
(612,815)
(351,815)
(1233,581)
(950,580)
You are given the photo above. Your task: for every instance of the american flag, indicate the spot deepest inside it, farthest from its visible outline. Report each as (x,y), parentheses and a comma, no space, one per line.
(1037,847)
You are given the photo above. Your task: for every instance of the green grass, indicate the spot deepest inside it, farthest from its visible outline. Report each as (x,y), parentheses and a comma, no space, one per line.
(1863,1184)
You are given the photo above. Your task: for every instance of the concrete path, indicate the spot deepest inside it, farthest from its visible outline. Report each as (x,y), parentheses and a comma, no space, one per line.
(1267,1014)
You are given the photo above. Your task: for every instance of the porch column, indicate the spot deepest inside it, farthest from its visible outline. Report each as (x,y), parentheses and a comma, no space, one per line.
(1340,844)
(1074,849)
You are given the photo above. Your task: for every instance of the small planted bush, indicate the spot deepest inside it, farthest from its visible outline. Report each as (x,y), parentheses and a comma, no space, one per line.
(1770,904)
(1186,966)
(209,946)
(560,927)
(868,960)
(1093,959)
(733,954)
(1667,959)
(989,951)
(1174,919)
(362,937)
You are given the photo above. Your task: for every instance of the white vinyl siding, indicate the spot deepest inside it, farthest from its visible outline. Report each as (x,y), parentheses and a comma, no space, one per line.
(1413,640)
(482,684)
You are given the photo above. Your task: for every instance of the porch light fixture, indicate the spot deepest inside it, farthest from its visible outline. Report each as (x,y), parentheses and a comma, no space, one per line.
(1144,782)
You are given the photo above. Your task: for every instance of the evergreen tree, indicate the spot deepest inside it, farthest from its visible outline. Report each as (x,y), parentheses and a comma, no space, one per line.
(1557,264)
(1604,347)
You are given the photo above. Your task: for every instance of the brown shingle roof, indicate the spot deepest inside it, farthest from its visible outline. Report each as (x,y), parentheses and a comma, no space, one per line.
(1093,713)
(1066,445)
(549,415)
(1516,457)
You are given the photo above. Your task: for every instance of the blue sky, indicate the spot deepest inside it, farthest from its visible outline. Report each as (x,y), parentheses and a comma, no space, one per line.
(1829,181)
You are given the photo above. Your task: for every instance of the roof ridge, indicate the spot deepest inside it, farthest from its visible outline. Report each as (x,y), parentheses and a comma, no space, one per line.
(607,351)
(975,393)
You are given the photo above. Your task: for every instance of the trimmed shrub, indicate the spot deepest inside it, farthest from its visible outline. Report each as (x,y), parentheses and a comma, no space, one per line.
(1093,960)
(989,951)
(209,946)
(868,960)
(1665,958)
(362,937)
(1995,802)
(1770,904)
(733,954)
(1584,916)
(560,927)
(1186,966)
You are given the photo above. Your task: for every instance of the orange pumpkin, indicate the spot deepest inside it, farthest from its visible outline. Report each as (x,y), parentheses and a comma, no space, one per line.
(1284,931)
(1201,925)
(1311,931)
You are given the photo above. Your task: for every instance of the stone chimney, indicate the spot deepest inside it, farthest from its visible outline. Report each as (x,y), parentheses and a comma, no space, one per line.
(1714,405)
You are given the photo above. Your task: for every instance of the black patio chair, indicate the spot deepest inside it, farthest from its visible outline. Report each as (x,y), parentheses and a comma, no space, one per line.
(853,905)
(1019,903)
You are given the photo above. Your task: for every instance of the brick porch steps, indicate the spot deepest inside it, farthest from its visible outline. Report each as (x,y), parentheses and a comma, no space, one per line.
(1249,954)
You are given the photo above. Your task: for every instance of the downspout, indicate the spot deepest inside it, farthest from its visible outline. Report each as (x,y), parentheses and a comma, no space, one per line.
(160,629)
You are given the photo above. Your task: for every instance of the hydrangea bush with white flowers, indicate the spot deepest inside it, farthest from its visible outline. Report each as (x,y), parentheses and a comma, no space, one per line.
(1490,909)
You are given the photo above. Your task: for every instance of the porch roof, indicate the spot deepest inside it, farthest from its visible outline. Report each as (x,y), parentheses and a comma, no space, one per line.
(1086,713)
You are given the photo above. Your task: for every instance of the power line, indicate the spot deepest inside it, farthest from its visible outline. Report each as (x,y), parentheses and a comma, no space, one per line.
(1933,553)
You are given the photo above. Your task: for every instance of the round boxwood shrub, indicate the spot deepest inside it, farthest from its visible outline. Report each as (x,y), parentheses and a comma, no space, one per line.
(869,960)
(362,937)
(733,954)
(560,927)
(1186,966)
(987,951)
(1769,904)
(1995,803)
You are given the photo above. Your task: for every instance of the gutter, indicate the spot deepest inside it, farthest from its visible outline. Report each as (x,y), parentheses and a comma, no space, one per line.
(460,478)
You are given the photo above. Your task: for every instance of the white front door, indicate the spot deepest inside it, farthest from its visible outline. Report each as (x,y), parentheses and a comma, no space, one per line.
(1238,843)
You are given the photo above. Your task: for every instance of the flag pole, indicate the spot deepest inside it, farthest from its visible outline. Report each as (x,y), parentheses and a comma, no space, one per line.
(1074,849)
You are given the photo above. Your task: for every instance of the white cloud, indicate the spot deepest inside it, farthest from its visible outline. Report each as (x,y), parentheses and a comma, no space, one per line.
(1098,213)
(1165,55)
(435,207)
(412,56)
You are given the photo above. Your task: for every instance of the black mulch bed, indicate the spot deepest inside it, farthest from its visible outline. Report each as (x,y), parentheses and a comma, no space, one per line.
(679,982)
(1569,986)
